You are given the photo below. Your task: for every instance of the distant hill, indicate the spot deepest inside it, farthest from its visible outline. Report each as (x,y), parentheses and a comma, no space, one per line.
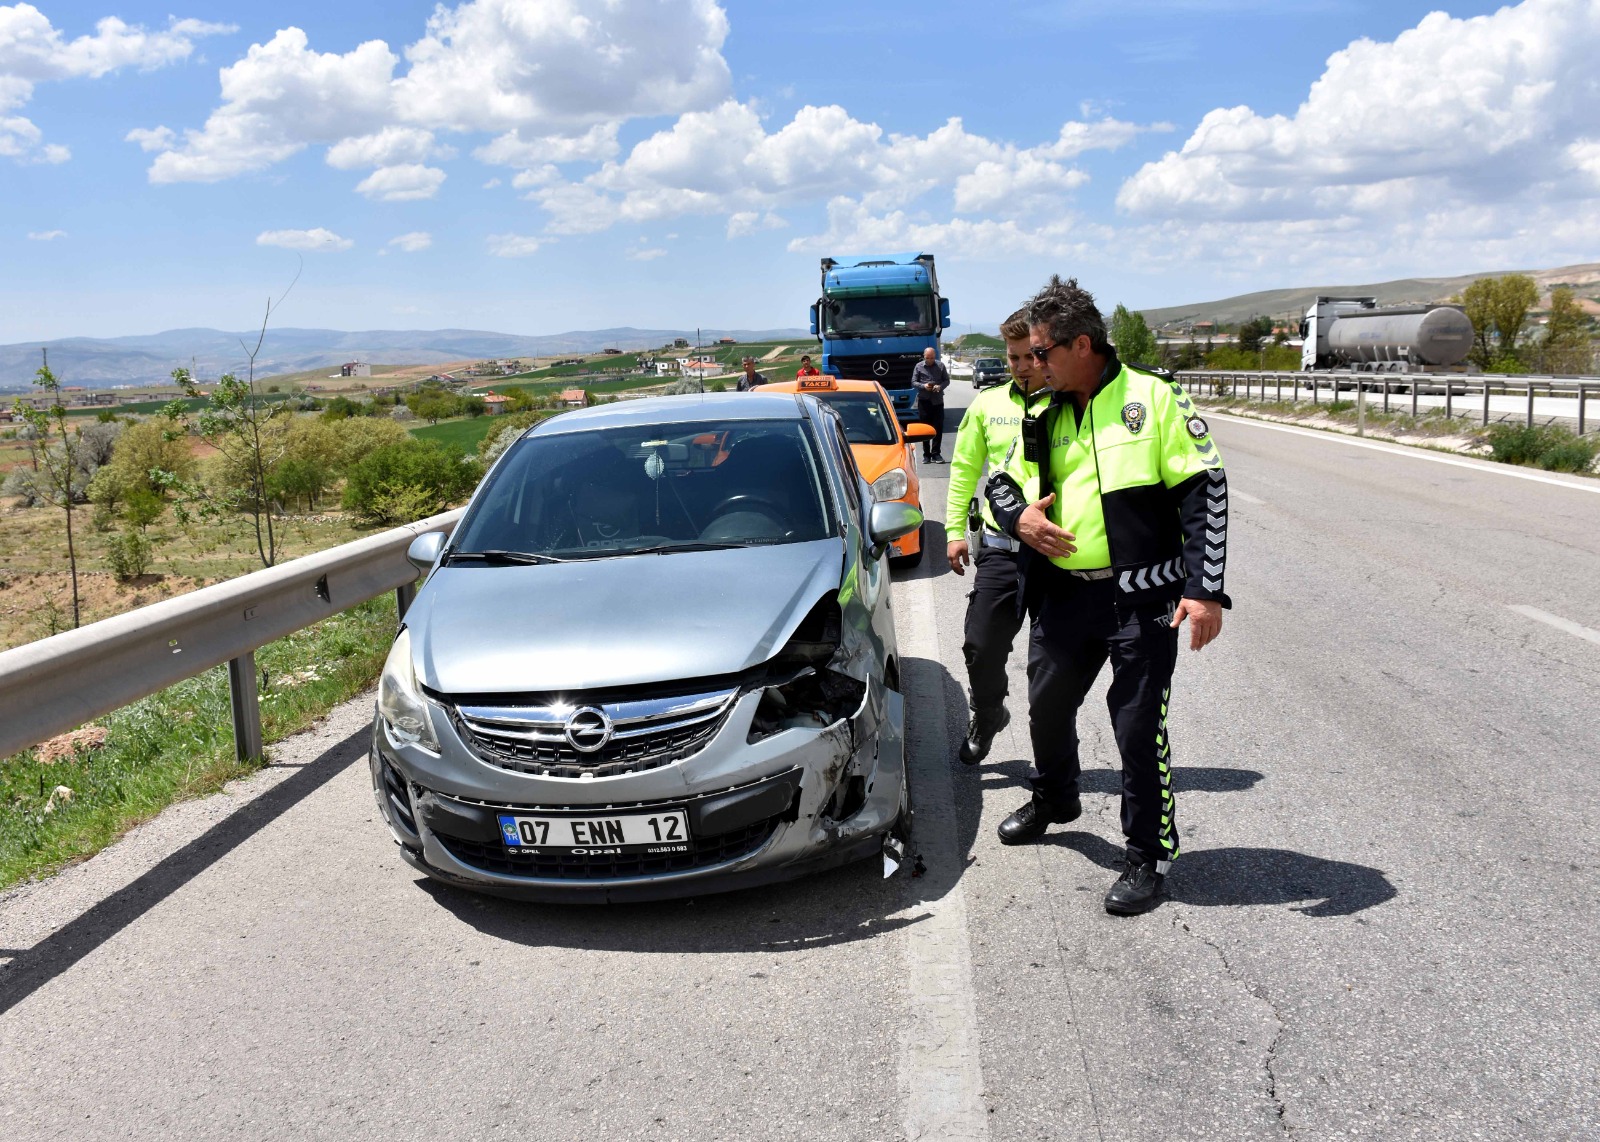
(150,358)
(1279,302)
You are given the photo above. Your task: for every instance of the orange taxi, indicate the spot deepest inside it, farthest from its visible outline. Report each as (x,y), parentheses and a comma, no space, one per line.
(879,443)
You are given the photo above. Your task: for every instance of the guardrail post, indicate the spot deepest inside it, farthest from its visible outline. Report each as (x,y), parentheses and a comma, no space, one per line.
(1386,396)
(1361,408)
(1277,391)
(1486,404)
(246,706)
(404,596)
(1583,393)
(1449,399)
(1315,386)
(1530,404)
(1414,388)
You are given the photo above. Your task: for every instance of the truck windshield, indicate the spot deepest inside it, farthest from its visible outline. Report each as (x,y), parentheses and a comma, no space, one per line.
(615,491)
(879,316)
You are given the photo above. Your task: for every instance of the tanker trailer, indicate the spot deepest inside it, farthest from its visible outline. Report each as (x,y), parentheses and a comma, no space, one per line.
(1356,333)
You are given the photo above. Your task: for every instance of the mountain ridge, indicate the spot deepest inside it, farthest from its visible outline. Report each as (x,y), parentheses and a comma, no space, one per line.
(149,358)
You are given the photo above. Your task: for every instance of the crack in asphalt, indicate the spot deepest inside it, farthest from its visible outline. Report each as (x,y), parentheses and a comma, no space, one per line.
(1280,1110)
(1072,999)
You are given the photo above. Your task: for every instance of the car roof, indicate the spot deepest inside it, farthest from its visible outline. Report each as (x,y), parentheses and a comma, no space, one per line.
(684,409)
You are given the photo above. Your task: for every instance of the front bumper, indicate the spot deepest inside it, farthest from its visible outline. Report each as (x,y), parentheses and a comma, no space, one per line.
(759,812)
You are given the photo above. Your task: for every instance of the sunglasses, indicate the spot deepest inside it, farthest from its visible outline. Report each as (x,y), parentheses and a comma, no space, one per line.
(1041,354)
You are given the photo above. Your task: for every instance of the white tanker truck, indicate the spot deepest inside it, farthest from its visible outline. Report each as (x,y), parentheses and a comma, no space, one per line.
(1355,333)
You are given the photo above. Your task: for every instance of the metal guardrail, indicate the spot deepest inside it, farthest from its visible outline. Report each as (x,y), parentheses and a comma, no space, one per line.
(1273,386)
(50,686)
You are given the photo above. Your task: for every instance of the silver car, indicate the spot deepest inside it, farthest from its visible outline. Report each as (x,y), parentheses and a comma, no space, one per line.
(655,659)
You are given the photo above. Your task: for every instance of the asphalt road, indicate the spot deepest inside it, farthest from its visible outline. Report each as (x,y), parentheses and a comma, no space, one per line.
(1382,926)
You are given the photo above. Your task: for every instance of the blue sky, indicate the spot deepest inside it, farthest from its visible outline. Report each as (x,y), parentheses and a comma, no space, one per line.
(532,166)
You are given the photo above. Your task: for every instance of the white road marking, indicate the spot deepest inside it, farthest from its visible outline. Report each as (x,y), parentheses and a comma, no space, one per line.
(940,1071)
(1245,496)
(1557,621)
(1486,466)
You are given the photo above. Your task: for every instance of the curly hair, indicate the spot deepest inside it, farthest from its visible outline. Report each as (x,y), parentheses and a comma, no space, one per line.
(1015,327)
(1067,312)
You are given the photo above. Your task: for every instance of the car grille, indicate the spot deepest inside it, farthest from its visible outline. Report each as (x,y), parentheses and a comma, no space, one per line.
(860,368)
(646,734)
(492,856)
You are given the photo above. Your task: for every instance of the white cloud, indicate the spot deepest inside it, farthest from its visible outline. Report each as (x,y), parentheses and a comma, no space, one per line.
(318,239)
(491,184)
(747,222)
(33,51)
(45,235)
(152,138)
(1452,113)
(412,242)
(647,255)
(384,148)
(405,183)
(512,245)
(853,225)
(724,161)
(555,77)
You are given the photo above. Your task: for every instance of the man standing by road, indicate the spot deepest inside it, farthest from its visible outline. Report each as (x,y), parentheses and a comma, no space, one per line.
(987,432)
(807,369)
(1119,495)
(750,378)
(930,379)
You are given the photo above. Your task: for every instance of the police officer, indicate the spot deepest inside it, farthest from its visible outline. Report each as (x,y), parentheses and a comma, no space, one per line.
(1119,496)
(987,433)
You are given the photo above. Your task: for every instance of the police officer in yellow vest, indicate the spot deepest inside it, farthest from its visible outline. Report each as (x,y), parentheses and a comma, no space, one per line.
(1118,494)
(987,431)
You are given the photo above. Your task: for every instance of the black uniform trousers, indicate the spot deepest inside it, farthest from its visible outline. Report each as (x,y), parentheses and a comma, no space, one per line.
(929,412)
(993,619)
(1077,625)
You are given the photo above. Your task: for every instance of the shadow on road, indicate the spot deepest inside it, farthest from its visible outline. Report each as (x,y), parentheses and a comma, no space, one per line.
(32,968)
(1185,778)
(835,907)
(933,562)
(1230,877)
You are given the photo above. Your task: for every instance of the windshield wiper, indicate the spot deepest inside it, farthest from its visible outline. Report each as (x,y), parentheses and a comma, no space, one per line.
(498,555)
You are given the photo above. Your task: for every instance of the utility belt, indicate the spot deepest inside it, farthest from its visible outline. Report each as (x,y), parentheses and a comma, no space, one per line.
(999,541)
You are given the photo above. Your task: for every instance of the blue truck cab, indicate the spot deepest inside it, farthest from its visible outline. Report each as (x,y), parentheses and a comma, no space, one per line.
(876,315)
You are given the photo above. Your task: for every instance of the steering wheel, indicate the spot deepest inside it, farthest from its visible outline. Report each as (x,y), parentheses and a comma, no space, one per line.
(752,500)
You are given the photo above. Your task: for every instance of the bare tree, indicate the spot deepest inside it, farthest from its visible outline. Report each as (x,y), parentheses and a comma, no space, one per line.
(59,479)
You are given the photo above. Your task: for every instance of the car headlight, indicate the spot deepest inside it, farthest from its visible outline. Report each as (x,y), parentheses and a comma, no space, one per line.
(890,486)
(400,702)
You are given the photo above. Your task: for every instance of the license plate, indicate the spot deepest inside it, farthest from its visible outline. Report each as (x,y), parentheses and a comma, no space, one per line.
(598,834)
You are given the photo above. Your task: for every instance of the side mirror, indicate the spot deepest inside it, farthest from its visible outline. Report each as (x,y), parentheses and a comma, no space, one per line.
(887,522)
(424,550)
(813,321)
(918,430)
(944,313)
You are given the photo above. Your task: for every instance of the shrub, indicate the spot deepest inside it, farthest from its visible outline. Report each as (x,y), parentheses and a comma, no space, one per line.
(1551,448)
(1337,405)
(142,508)
(129,555)
(397,483)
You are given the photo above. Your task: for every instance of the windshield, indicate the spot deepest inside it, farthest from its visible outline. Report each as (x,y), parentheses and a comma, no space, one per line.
(879,316)
(988,363)
(657,488)
(866,420)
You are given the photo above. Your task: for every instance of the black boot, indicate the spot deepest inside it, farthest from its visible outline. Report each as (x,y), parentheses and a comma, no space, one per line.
(980,733)
(1029,822)
(1136,889)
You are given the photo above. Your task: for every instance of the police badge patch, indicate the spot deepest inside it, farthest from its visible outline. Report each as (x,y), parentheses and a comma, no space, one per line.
(1133,416)
(1197,427)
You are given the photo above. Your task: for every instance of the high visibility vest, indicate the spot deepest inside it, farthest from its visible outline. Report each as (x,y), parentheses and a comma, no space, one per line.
(990,424)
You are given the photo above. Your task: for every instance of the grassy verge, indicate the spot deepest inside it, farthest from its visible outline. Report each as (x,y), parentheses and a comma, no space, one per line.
(177,744)
(463,434)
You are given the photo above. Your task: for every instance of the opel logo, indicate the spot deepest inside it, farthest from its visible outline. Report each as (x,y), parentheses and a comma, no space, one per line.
(588,729)
(880,368)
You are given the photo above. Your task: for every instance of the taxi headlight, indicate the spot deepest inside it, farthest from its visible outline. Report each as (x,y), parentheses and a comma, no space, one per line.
(400,701)
(890,486)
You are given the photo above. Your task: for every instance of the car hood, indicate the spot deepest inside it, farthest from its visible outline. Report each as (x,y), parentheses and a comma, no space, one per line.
(620,621)
(876,459)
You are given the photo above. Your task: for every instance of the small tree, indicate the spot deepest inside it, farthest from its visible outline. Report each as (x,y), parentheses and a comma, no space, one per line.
(59,479)
(1498,308)
(238,422)
(1132,337)
(1566,347)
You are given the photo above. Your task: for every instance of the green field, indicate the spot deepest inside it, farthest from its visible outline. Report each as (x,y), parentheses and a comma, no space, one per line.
(463,434)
